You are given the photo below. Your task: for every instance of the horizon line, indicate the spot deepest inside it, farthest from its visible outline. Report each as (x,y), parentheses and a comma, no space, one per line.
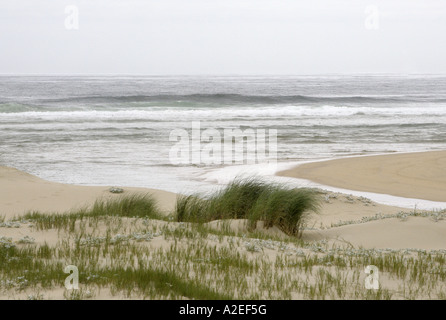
(218,75)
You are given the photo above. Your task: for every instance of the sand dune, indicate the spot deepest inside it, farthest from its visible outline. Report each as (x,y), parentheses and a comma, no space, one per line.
(340,224)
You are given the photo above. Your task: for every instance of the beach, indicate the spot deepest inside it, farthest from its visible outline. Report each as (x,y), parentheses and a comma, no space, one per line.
(24,193)
(416,175)
(345,224)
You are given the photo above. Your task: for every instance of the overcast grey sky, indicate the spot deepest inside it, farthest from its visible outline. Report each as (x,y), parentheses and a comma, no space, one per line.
(167,37)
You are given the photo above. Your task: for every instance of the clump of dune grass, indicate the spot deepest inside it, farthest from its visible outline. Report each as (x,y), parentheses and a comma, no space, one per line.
(191,209)
(134,205)
(285,208)
(236,200)
(253,199)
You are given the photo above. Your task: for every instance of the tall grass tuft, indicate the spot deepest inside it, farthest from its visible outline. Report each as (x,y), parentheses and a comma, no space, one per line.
(191,209)
(236,200)
(253,199)
(285,208)
(135,205)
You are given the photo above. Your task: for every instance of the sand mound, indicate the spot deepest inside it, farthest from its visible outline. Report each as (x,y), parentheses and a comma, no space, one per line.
(241,226)
(415,232)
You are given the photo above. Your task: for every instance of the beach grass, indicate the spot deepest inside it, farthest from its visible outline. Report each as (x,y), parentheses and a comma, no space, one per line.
(183,261)
(253,199)
(134,205)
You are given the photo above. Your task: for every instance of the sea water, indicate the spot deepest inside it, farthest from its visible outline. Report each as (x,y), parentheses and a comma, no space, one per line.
(115,130)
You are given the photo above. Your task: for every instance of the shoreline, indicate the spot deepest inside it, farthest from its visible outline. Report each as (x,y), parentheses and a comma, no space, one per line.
(415,176)
(26,193)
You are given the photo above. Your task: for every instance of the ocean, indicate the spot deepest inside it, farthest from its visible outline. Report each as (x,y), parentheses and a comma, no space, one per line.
(115,130)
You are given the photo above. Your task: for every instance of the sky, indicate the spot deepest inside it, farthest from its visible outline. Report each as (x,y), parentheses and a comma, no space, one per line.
(222,37)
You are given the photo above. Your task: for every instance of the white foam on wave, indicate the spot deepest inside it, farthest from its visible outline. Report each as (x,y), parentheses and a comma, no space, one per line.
(163,113)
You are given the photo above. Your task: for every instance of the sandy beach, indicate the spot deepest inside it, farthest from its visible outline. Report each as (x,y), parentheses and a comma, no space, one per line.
(345,225)
(419,175)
